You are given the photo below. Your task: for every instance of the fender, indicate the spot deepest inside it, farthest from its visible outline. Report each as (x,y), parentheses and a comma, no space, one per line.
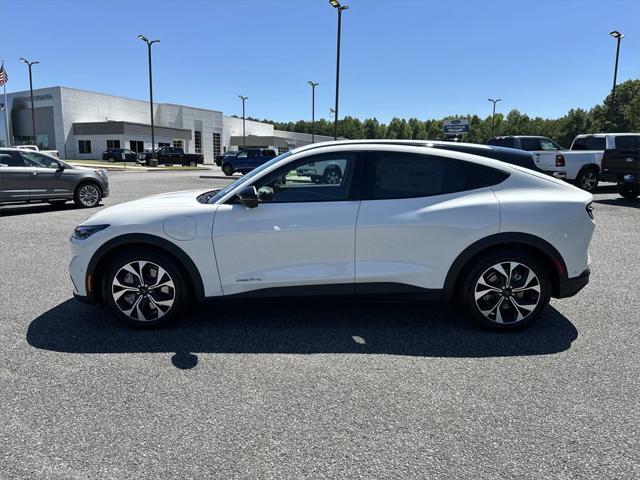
(144,238)
(502,240)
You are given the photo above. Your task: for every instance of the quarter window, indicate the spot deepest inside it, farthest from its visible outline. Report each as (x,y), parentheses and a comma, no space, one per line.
(84,146)
(323,178)
(399,175)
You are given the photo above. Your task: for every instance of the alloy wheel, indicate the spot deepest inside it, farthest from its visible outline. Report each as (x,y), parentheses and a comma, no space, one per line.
(589,180)
(507,292)
(89,195)
(143,290)
(332,177)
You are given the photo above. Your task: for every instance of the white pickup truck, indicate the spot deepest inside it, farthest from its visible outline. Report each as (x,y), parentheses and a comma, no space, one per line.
(35,148)
(581,164)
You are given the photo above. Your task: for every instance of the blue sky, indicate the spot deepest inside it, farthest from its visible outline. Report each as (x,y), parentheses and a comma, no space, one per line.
(406,58)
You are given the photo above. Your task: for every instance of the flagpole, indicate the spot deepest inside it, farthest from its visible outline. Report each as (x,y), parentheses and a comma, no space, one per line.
(6,111)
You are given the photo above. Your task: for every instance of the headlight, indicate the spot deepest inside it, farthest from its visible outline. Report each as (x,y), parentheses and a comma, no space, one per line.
(101,172)
(85,231)
(590,210)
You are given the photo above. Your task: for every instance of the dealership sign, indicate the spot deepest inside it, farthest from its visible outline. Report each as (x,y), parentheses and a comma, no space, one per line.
(456,126)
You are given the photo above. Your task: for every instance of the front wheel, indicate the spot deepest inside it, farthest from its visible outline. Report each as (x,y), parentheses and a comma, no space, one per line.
(332,176)
(111,160)
(227,169)
(192,163)
(629,191)
(144,289)
(506,290)
(87,195)
(587,179)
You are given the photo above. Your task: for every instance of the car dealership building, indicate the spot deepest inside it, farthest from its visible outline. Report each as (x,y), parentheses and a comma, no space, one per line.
(81,125)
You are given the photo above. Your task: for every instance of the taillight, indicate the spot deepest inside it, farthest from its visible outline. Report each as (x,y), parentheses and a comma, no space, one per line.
(559,160)
(590,210)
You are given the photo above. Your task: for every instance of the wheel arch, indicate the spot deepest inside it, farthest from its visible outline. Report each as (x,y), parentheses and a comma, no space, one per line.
(590,166)
(84,181)
(99,260)
(532,244)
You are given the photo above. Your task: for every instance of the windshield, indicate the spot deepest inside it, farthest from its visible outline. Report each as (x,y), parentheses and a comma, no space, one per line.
(247,178)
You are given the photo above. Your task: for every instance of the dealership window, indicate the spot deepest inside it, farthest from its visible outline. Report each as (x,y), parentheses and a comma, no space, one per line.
(136,146)
(178,143)
(216,144)
(84,146)
(163,144)
(197,140)
(282,150)
(113,144)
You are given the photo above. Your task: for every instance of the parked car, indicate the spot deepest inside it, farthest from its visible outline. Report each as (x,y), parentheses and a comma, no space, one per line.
(404,219)
(579,167)
(29,176)
(172,156)
(247,160)
(54,153)
(220,158)
(119,155)
(622,165)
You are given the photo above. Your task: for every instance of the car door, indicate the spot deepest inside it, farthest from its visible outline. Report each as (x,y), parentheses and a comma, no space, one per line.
(301,234)
(418,213)
(48,180)
(14,177)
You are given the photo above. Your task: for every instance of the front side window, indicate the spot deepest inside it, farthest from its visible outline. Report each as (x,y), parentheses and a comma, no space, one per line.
(322,178)
(589,143)
(84,146)
(399,175)
(34,159)
(547,145)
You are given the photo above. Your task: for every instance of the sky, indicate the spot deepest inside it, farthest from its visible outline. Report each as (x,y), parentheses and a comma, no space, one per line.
(404,58)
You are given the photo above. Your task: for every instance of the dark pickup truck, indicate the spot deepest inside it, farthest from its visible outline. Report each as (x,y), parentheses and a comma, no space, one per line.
(172,155)
(622,165)
(246,160)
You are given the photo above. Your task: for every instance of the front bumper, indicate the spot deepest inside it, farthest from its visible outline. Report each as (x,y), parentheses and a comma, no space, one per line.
(570,286)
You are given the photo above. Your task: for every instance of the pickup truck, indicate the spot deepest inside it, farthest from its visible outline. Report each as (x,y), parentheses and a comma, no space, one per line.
(35,148)
(170,156)
(246,160)
(579,167)
(622,165)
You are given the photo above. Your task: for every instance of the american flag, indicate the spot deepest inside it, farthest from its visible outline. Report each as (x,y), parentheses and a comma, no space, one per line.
(4,78)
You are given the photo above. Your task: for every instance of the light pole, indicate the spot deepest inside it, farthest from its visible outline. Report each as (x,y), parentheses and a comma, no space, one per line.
(618,36)
(153,135)
(244,135)
(336,4)
(33,115)
(313,110)
(494,111)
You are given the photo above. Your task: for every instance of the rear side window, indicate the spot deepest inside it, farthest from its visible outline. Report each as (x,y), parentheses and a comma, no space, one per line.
(398,175)
(589,143)
(628,141)
(11,159)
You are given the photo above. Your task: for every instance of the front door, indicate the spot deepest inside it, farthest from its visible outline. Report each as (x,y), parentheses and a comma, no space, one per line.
(48,180)
(302,233)
(14,178)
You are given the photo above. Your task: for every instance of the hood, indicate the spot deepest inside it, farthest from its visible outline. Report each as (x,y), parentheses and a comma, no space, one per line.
(185,198)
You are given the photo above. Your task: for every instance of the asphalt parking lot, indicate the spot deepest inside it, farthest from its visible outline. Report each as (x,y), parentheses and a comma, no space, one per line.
(321,389)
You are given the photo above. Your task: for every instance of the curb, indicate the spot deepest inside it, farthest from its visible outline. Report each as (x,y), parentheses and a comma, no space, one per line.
(222,177)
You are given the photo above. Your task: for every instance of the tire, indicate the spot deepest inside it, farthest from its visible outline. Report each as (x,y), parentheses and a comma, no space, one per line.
(87,195)
(192,163)
(227,169)
(128,291)
(332,176)
(587,179)
(628,191)
(531,294)
(111,160)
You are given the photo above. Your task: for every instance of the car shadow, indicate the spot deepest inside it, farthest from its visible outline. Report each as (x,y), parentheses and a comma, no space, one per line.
(31,208)
(298,327)
(620,202)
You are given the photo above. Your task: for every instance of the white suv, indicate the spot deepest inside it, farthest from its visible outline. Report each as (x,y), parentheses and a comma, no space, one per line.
(402,219)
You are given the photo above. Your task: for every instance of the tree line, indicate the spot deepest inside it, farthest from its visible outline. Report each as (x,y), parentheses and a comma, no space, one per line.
(619,114)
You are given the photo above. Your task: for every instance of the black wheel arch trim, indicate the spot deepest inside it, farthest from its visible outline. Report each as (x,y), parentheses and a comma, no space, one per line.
(456,271)
(137,239)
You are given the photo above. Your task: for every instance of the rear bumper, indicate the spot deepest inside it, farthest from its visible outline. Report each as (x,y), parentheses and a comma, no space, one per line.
(617,177)
(570,286)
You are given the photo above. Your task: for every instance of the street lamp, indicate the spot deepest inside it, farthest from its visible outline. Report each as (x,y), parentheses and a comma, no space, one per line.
(313,109)
(244,135)
(494,111)
(33,116)
(153,137)
(336,4)
(618,36)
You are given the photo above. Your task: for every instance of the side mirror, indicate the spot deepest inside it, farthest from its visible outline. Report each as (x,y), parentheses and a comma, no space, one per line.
(248,196)
(60,167)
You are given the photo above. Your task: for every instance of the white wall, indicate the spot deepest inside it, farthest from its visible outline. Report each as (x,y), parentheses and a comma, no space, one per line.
(233,127)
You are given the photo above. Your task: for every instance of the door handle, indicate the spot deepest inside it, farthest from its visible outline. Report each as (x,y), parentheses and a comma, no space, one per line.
(34,173)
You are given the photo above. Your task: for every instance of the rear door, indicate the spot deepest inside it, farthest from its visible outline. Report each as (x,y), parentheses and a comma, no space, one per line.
(14,178)
(418,213)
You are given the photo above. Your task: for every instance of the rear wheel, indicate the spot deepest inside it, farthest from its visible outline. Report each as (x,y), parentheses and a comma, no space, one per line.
(111,160)
(507,290)
(144,289)
(87,195)
(587,179)
(227,169)
(192,163)
(628,191)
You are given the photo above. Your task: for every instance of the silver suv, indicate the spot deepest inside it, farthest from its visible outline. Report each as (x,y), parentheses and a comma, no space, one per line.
(28,176)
